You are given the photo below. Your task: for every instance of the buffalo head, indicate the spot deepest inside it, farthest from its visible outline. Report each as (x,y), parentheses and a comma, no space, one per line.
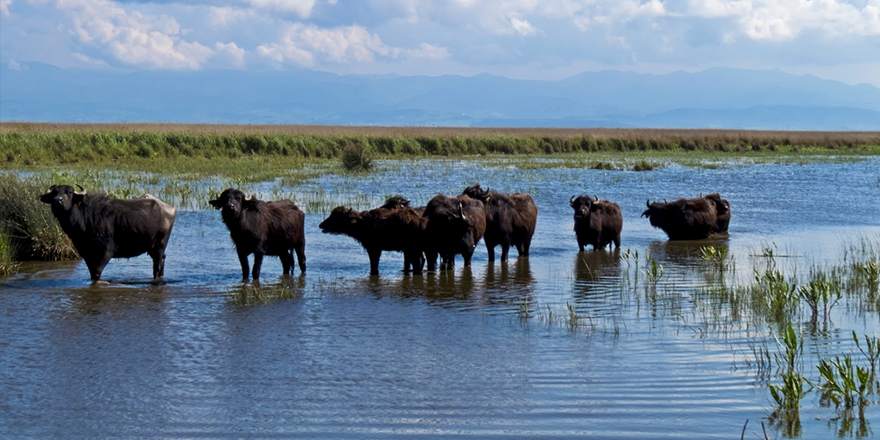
(582,205)
(232,202)
(63,197)
(342,220)
(475,192)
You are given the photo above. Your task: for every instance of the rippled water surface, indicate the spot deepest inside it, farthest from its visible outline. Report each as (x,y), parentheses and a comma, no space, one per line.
(559,344)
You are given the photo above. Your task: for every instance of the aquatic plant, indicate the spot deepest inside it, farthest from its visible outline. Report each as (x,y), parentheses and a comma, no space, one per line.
(716,256)
(357,158)
(653,271)
(788,394)
(8,265)
(823,291)
(28,224)
(844,383)
(255,294)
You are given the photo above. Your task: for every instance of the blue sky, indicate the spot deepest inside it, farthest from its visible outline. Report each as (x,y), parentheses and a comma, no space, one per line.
(527,39)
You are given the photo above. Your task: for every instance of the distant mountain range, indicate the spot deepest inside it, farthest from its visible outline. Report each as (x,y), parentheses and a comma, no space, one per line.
(714,98)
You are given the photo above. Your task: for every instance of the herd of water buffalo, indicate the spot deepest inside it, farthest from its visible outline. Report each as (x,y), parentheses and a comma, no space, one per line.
(101,227)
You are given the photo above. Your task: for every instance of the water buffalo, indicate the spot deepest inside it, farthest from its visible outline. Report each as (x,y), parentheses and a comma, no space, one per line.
(102,227)
(455,226)
(510,220)
(393,226)
(263,228)
(596,222)
(690,219)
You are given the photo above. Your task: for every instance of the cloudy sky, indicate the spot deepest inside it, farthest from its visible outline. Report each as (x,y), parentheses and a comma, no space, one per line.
(534,39)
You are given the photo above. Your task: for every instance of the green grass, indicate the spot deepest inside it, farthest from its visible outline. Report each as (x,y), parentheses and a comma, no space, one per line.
(25,148)
(30,229)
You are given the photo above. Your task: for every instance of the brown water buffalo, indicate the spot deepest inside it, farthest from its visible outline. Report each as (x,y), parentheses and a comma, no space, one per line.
(392,227)
(510,220)
(455,226)
(263,228)
(690,219)
(102,227)
(596,222)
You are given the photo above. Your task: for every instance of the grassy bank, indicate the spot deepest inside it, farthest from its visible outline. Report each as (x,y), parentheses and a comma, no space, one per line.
(23,145)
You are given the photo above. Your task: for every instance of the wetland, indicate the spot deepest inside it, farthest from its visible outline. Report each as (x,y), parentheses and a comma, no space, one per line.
(658,339)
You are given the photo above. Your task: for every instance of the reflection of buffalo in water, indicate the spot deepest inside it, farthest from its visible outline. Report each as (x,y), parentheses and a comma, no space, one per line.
(596,222)
(522,275)
(510,220)
(683,253)
(690,219)
(591,266)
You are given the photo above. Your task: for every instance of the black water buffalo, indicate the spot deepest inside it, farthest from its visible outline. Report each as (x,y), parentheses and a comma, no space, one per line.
(596,222)
(690,219)
(263,228)
(455,226)
(102,227)
(510,220)
(393,226)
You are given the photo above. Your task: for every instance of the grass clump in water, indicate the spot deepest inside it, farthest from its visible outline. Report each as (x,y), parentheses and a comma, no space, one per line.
(357,158)
(28,226)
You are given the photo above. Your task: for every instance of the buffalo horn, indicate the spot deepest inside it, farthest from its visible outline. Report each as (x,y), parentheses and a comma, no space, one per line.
(648,203)
(486,191)
(571,201)
(250,197)
(82,191)
(597,197)
(461,211)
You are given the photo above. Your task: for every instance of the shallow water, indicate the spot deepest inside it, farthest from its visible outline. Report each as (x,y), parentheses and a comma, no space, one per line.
(559,344)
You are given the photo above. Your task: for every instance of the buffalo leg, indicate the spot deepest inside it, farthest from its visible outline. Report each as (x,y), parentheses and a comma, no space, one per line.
(242,258)
(374,254)
(467,258)
(431,259)
(286,261)
(301,257)
(617,241)
(525,247)
(505,249)
(97,267)
(490,250)
(258,264)
(158,257)
(414,259)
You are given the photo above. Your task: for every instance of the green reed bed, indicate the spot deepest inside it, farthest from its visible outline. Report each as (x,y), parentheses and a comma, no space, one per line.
(28,230)
(22,146)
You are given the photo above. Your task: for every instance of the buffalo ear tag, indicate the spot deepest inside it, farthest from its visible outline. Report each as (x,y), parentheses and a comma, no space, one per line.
(353,221)
(450,217)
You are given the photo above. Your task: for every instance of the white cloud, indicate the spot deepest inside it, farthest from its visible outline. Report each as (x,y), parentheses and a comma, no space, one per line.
(428,51)
(303,8)
(134,38)
(224,16)
(521,27)
(4,7)
(302,43)
(230,51)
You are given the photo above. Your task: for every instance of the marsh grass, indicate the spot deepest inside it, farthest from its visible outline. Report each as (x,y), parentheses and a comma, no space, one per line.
(788,394)
(256,294)
(357,158)
(23,144)
(8,265)
(28,226)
